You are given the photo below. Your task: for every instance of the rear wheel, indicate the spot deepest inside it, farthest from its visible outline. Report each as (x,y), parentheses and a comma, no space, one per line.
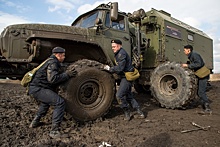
(173,86)
(90,94)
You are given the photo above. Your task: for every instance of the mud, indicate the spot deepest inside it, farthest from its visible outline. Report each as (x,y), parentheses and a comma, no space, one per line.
(161,127)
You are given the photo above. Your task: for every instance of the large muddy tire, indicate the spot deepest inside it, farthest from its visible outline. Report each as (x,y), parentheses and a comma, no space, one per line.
(173,86)
(90,94)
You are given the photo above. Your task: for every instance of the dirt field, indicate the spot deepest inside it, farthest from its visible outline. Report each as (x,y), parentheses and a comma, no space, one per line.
(161,128)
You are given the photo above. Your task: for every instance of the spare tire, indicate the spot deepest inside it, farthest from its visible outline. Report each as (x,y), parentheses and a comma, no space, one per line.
(89,95)
(173,86)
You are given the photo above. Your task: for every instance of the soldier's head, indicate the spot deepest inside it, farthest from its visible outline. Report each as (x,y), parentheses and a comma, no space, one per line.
(188,49)
(59,52)
(116,45)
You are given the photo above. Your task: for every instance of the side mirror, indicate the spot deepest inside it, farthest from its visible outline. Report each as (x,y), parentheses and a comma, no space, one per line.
(114,11)
(98,21)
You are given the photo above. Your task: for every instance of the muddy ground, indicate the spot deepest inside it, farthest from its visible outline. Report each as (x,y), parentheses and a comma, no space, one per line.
(161,128)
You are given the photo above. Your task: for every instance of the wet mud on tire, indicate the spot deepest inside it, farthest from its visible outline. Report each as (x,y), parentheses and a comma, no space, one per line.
(173,86)
(89,95)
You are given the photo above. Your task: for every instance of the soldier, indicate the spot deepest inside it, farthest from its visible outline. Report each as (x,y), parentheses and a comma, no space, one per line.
(196,62)
(124,95)
(43,89)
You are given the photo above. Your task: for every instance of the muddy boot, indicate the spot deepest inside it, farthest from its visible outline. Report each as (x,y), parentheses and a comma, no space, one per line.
(127,114)
(140,113)
(55,131)
(35,122)
(207,109)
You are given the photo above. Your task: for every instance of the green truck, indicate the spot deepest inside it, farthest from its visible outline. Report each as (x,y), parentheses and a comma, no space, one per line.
(153,39)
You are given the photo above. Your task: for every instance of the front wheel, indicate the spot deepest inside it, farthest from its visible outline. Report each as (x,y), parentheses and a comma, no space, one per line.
(90,94)
(172,85)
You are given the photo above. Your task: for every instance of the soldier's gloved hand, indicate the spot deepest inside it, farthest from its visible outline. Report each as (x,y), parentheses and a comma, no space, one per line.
(106,67)
(72,72)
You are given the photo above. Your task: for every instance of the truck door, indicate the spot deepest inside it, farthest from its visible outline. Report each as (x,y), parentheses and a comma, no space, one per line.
(117,29)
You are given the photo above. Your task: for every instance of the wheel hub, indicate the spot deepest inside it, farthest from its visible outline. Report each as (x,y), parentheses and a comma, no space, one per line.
(89,93)
(169,84)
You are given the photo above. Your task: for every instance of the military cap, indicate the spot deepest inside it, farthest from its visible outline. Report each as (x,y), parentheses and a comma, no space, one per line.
(188,47)
(116,41)
(58,50)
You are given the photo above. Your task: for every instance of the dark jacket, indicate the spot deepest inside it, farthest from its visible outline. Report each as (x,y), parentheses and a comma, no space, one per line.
(49,76)
(123,63)
(196,61)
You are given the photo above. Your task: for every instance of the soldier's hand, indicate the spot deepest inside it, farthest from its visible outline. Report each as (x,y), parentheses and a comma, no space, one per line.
(184,65)
(72,72)
(106,67)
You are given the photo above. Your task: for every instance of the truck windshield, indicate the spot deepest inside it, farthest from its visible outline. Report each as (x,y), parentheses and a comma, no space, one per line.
(88,20)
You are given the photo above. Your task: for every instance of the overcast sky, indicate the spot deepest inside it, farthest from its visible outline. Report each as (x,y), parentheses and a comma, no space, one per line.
(202,14)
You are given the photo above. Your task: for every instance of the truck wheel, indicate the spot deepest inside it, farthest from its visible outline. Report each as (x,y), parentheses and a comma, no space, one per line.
(173,86)
(89,95)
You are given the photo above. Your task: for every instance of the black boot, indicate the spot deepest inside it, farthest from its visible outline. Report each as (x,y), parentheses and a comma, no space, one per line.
(127,114)
(140,113)
(207,108)
(55,131)
(35,122)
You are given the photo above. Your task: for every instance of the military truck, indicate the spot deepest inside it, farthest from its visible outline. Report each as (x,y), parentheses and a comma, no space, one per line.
(153,39)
